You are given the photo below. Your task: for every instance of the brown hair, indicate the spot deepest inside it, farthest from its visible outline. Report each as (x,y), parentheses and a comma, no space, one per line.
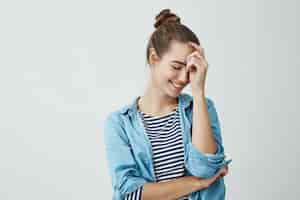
(168,28)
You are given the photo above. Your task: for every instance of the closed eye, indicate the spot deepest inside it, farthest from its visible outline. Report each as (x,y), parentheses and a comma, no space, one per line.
(175,67)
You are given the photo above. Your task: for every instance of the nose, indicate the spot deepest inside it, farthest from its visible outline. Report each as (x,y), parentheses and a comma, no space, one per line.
(183,77)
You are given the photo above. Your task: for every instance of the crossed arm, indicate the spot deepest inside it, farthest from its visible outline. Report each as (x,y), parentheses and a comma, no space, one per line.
(202,170)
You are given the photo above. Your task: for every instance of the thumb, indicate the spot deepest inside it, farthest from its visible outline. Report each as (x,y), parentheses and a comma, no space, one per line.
(222,172)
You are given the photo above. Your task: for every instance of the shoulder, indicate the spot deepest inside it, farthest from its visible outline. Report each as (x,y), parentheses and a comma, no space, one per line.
(114,128)
(114,117)
(118,115)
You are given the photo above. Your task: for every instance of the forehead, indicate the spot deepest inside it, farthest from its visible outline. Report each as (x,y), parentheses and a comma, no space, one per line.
(179,51)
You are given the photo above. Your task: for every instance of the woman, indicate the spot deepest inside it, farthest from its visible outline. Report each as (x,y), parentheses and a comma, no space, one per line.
(166,144)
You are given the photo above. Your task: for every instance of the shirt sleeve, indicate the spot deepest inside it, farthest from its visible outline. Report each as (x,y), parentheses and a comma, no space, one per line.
(205,165)
(136,195)
(124,172)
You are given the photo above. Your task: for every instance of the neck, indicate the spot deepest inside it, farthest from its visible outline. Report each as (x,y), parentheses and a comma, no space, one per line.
(154,102)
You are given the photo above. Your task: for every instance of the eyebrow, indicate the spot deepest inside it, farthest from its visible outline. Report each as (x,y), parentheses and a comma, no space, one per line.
(178,62)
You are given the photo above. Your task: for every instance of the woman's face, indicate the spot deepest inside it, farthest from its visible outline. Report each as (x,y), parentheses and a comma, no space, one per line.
(169,73)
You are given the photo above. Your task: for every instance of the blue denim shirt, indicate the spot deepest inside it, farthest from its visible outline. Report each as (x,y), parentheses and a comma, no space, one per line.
(129,152)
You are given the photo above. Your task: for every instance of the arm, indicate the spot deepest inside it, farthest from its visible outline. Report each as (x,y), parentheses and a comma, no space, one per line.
(124,173)
(202,136)
(179,187)
(172,189)
(126,178)
(205,158)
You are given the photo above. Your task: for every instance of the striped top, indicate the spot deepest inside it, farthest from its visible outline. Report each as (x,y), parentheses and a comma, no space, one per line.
(165,135)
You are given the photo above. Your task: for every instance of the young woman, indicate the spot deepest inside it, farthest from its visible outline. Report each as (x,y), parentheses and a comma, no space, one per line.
(166,144)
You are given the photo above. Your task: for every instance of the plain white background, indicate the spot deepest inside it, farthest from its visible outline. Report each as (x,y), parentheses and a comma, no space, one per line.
(64,65)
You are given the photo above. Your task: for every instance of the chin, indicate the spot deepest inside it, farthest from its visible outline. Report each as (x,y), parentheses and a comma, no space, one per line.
(173,95)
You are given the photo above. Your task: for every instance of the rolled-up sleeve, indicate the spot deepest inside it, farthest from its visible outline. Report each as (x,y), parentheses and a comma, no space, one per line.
(125,176)
(203,164)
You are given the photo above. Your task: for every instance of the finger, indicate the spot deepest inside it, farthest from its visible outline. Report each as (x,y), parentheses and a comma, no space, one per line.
(222,171)
(193,44)
(191,67)
(193,64)
(219,174)
(225,169)
(195,55)
(197,47)
(198,56)
(202,60)
(198,62)
(225,173)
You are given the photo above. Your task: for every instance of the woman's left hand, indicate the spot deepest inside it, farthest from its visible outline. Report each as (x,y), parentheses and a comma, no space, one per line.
(197,67)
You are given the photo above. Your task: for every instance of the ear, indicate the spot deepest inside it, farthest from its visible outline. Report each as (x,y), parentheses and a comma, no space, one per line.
(153,57)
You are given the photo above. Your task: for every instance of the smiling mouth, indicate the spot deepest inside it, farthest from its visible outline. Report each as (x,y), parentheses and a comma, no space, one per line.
(176,85)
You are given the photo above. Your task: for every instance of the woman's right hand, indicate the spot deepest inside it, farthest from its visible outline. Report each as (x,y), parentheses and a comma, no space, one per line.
(206,182)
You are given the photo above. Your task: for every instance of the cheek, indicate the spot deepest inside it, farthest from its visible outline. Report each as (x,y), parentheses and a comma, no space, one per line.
(169,74)
(163,76)
(167,77)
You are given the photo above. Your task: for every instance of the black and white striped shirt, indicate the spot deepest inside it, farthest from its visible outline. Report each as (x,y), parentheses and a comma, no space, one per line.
(165,135)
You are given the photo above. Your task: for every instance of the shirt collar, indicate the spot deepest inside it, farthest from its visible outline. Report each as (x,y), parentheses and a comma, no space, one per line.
(183,98)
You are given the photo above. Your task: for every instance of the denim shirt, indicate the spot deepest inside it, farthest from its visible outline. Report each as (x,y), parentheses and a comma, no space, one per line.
(129,152)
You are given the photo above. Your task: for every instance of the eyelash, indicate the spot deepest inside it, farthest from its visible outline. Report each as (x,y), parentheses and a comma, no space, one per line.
(176,68)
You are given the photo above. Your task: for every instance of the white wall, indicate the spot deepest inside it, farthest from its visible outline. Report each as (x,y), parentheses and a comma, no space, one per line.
(65,64)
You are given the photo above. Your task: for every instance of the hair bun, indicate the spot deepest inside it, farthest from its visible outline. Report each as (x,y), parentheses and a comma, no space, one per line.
(165,16)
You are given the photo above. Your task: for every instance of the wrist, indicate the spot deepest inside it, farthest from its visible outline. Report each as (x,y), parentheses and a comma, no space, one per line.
(199,183)
(200,94)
